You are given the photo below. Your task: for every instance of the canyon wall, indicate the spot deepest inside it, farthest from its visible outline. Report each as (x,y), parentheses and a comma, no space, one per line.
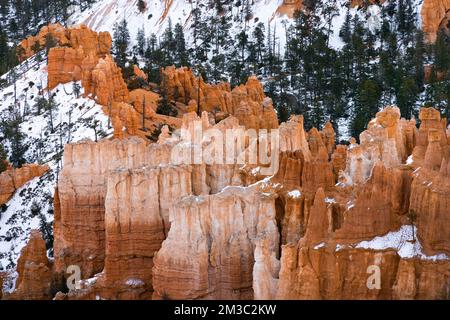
(143,221)
(382,215)
(433,13)
(142,227)
(208,252)
(246,102)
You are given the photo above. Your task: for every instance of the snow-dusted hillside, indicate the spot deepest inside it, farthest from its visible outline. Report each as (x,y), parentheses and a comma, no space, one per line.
(73,120)
(102,15)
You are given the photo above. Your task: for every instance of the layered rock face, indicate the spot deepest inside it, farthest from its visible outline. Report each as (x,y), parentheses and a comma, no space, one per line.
(113,204)
(434,12)
(246,102)
(12,179)
(214,237)
(79,227)
(67,61)
(323,273)
(388,139)
(35,271)
(85,56)
(324,255)
(79,37)
(367,221)
(431,184)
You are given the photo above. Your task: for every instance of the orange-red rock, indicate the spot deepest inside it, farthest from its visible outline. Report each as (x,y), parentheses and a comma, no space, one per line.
(35,271)
(64,65)
(324,273)
(433,13)
(214,247)
(142,227)
(12,179)
(105,82)
(246,102)
(78,37)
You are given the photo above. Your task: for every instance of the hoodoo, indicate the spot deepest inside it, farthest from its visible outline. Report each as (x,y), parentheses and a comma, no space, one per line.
(214,158)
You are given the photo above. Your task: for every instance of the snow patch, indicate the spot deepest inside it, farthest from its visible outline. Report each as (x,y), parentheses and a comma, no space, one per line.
(401,241)
(294,194)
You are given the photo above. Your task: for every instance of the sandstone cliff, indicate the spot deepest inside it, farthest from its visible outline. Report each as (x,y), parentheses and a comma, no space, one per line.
(434,13)
(141,226)
(78,37)
(247,102)
(379,193)
(215,237)
(13,178)
(148,220)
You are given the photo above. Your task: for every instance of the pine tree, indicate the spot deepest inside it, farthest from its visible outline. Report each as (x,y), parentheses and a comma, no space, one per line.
(442,51)
(11,131)
(3,158)
(4,52)
(419,60)
(154,59)
(181,53)
(407,96)
(121,40)
(140,42)
(168,45)
(366,106)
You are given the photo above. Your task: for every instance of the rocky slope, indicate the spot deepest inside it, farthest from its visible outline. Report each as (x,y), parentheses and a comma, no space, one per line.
(141,224)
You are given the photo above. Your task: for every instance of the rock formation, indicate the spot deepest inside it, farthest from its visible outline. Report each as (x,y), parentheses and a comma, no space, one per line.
(141,226)
(214,247)
(327,260)
(104,82)
(79,37)
(431,183)
(13,178)
(35,271)
(246,102)
(387,139)
(83,55)
(433,13)
(161,220)
(323,273)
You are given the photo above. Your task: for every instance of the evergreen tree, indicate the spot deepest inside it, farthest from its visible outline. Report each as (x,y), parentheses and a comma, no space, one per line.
(407,96)
(154,59)
(11,131)
(140,42)
(366,106)
(419,60)
(181,53)
(3,158)
(4,52)
(169,45)
(442,51)
(121,40)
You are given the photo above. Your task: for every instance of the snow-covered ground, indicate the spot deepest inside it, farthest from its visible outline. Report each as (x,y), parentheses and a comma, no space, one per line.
(104,14)
(72,121)
(404,241)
